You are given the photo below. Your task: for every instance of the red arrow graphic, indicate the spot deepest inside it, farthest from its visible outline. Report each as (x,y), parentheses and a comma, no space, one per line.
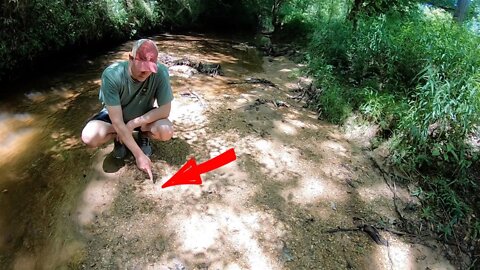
(189,174)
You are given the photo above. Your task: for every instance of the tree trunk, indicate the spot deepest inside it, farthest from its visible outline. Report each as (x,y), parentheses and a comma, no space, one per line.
(461,10)
(275,9)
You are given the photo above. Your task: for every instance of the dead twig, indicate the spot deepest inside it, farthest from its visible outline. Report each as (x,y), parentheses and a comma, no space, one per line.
(368,229)
(190,93)
(197,96)
(254,81)
(459,247)
(392,189)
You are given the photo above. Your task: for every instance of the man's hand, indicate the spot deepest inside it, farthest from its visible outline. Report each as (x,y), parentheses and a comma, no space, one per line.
(124,132)
(145,164)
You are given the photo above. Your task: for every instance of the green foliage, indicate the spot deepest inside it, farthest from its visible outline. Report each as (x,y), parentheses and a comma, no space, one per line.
(332,99)
(443,113)
(330,44)
(447,201)
(32,29)
(334,104)
(425,61)
(416,75)
(383,108)
(445,106)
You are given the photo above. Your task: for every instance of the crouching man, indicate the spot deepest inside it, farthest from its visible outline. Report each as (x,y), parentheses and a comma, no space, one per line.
(129,91)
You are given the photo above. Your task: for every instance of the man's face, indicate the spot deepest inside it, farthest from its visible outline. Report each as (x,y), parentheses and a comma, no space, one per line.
(137,74)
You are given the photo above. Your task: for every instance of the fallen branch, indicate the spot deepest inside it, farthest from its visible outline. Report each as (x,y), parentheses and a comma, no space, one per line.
(392,189)
(368,229)
(460,247)
(254,81)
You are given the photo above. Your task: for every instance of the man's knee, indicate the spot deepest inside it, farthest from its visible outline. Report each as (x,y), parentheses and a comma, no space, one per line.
(90,138)
(93,136)
(163,133)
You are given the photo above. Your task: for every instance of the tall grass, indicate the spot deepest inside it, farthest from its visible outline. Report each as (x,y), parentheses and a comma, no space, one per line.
(417,75)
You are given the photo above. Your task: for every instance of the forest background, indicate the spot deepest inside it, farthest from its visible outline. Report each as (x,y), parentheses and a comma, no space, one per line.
(411,68)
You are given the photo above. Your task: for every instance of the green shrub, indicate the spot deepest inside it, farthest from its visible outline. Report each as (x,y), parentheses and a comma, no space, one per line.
(331,44)
(444,110)
(383,108)
(334,106)
(34,29)
(447,200)
(423,60)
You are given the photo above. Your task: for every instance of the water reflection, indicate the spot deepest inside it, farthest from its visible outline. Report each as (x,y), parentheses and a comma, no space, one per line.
(16,135)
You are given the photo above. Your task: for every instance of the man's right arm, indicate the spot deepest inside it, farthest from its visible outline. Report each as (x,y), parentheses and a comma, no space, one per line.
(125,135)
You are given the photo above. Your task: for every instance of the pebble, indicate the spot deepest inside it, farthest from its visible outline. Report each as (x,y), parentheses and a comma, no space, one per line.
(287,254)
(334,206)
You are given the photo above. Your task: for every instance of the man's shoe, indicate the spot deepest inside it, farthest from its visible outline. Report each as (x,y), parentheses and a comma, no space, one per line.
(119,150)
(144,143)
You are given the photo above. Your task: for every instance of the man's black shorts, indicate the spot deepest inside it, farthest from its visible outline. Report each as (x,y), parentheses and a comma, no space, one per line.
(102,116)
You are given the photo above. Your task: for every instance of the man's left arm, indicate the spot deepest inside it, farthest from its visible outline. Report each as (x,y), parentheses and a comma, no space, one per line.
(151,116)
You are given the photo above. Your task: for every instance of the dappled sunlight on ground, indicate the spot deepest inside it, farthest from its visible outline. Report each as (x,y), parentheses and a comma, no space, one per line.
(286,128)
(275,156)
(335,147)
(369,192)
(187,115)
(309,190)
(217,145)
(99,194)
(312,190)
(97,197)
(67,141)
(334,169)
(399,255)
(292,120)
(197,233)
(249,237)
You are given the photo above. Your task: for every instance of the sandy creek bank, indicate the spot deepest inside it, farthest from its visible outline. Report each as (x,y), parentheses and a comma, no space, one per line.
(67,207)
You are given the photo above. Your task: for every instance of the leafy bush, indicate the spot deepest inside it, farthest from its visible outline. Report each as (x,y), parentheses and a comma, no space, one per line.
(443,113)
(447,200)
(334,106)
(32,29)
(445,106)
(417,75)
(424,61)
(383,108)
(297,20)
(330,44)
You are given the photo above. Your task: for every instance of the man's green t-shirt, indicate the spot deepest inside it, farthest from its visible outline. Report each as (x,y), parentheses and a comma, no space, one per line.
(136,98)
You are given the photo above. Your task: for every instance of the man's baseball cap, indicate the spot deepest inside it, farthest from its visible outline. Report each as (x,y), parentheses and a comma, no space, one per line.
(145,53)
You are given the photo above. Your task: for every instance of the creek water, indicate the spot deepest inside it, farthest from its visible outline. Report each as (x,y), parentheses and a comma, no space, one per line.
(43,164)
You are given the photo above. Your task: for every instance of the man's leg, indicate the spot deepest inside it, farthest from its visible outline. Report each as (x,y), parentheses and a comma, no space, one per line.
(161,130)
(97,132)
